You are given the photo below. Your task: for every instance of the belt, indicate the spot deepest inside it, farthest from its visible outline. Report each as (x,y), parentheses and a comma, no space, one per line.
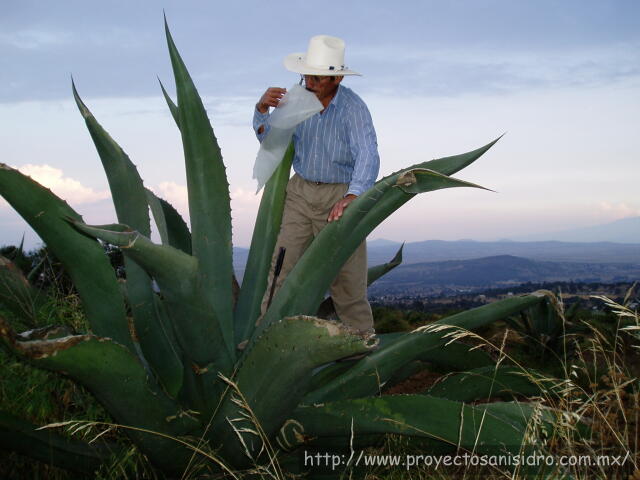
(312,182)
(321,183)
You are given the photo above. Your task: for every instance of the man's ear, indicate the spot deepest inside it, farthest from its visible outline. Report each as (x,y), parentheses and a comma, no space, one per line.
(338,79)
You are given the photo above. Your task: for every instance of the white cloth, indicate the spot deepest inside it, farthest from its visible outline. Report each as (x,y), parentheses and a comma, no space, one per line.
(296,106)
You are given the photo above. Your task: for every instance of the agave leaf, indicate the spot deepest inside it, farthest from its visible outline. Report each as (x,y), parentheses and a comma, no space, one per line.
(294,345)
(456,357)
(263,242)
(486,382)
(119,381)
(173,108)
(195,325)
(82,257)
(23,437)
(371,373)
(126,186)
(453,164)
(209,201)
(304,287)
(48,332)
(403,373)
(167,265)
(482,429)
(17,294)
(374,273)
(327,373)
(546,323)
(130,201)
(387,338)
(420,180)
(172,228)
(199,389)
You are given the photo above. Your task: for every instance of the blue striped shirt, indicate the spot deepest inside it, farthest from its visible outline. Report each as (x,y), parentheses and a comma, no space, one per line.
(337,146)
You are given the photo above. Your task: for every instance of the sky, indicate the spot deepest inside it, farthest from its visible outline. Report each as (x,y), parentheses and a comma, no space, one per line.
(561,78)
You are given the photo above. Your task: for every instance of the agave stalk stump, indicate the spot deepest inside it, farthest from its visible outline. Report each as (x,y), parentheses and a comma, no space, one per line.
(167,364)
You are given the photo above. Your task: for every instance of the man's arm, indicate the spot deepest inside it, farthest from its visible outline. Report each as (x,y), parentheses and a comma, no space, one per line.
(364,149)
(338,209)
(270,98)
(363,144)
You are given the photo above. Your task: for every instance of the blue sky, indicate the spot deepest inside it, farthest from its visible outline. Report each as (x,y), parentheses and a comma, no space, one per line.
(562,78)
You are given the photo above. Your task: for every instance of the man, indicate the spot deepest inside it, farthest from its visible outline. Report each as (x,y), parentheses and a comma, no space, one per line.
(336,159)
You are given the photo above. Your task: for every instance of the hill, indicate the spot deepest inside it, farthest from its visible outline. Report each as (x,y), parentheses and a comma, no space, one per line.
(439,250)
(626,230)
(430,251)
(495,271)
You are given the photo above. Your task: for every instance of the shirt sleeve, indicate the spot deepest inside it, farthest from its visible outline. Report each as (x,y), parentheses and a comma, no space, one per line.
(363,145)
(260,120)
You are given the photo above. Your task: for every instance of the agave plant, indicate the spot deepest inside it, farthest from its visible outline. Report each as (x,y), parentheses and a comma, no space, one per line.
(181,357)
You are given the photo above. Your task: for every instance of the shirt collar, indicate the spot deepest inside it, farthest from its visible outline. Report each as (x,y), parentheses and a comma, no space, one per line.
(337,100)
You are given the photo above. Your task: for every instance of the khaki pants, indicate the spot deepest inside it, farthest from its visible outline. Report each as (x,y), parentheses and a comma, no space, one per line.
(306,209)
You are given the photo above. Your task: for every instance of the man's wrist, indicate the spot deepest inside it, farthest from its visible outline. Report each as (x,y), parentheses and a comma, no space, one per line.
(261,108)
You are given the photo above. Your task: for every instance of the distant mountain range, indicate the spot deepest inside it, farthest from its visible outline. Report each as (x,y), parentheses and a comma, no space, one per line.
(439,250)
(381,251)
(437,265)
(493,272)
(626,230)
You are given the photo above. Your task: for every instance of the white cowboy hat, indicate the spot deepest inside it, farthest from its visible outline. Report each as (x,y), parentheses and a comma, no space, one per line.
(324,56)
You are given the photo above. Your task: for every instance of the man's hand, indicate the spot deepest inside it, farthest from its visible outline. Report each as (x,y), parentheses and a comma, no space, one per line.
(338,208)
(270,98)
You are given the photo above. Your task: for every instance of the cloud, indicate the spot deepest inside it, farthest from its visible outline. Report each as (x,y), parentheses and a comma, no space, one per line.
(245,200)
(453,71)
(176,194)
(102,36)
(66,188)
(230,111)
(616,211)
(35,39)
(244,203)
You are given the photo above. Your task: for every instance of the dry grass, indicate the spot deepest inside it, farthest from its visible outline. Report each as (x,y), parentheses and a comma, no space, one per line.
(596,405)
